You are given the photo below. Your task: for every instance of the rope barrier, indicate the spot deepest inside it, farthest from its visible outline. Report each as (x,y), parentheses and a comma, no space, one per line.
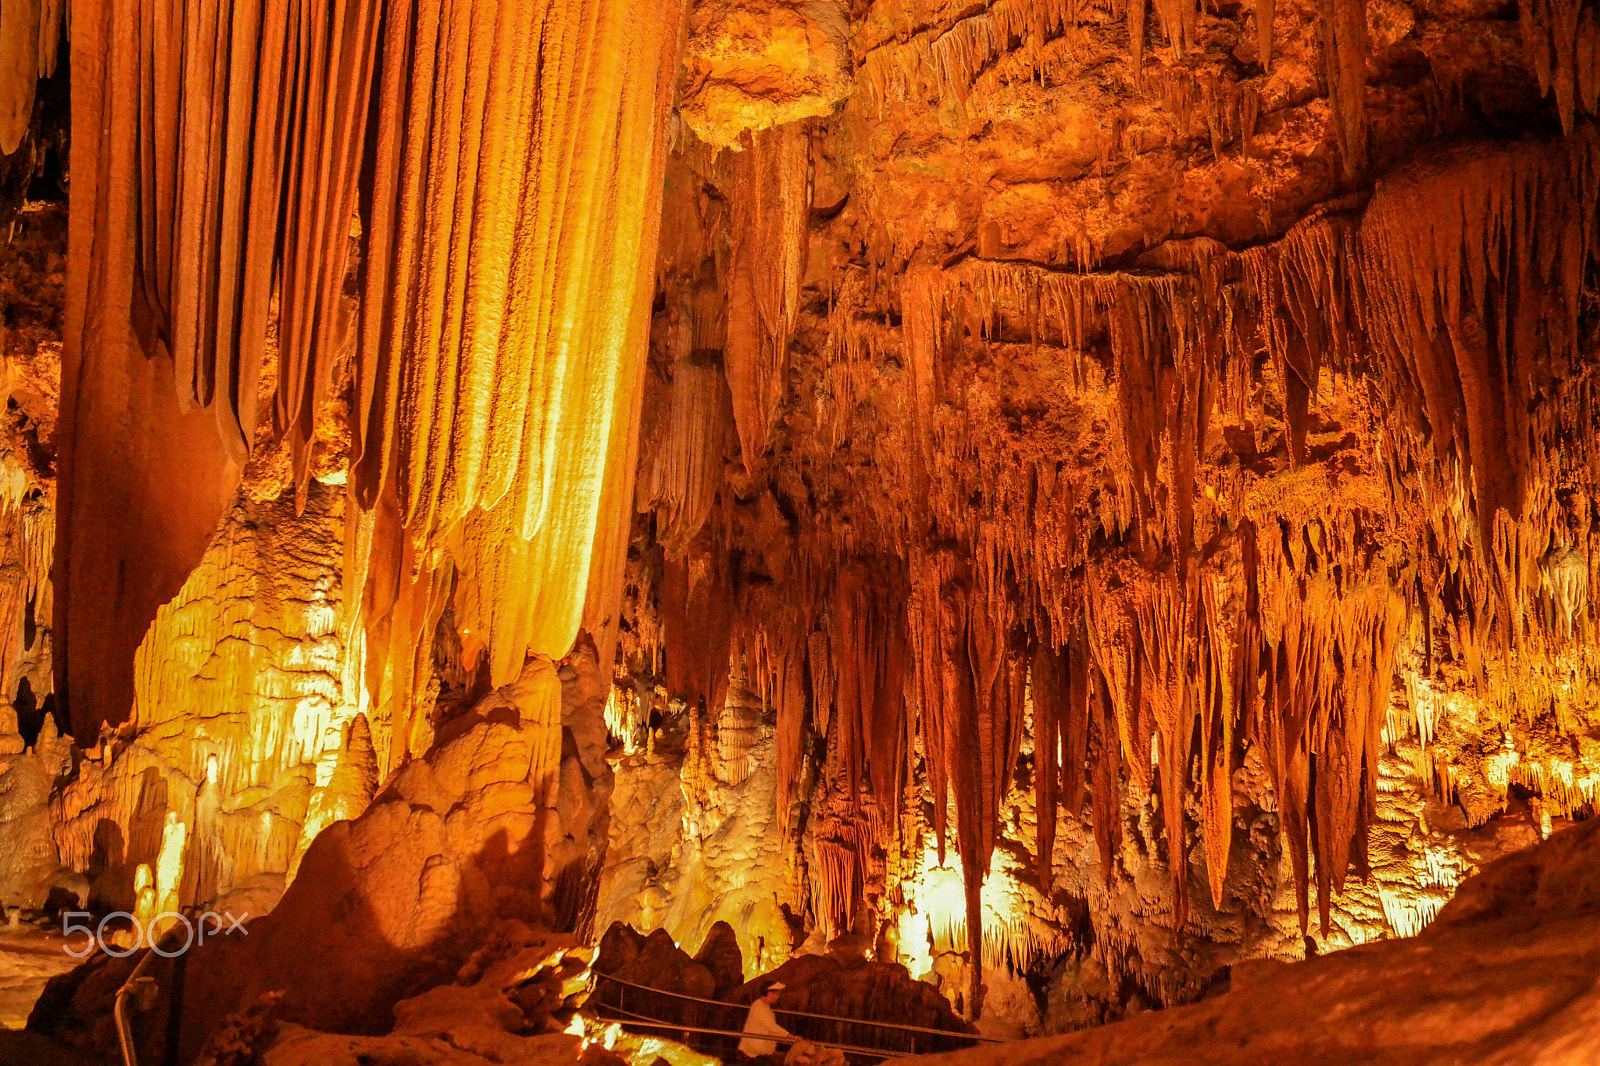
(802,1014)
(645,1022)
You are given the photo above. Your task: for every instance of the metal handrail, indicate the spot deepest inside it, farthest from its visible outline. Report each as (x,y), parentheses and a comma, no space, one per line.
(804,1014)
(130,1057)
(645,1022)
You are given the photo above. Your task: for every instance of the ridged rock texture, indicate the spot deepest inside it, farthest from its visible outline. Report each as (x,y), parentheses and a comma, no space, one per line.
(455,844)
(491,396)
(248,721)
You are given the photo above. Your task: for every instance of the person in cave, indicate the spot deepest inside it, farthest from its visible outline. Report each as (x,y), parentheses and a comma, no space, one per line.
(762,1022)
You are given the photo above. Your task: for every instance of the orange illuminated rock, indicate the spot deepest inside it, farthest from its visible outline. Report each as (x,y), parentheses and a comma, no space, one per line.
(1505,975)
(934,479)
(756,64)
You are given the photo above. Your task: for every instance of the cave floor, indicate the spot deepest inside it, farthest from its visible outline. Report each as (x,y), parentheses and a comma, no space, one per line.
(29,957)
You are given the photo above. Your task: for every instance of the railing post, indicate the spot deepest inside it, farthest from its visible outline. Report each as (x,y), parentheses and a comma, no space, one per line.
(136,982)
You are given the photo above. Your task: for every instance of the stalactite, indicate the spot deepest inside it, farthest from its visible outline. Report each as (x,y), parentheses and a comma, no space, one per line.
(1163,600)
(870,679)
(776,655)
(684,464)
(1136,16)
(514,222)
(1240,641)
(770,210)
(971,679)
(1469,305)
(1344,49)
(1178,22)
(194,223)
(14,592)
(945,62)
(508,268)
(697,608)
(218,232)
(1562,41)
(1059,686)
(28,49)
(848,851)
(1046,685)
(1104,767)
(1265,12)
(1166,628)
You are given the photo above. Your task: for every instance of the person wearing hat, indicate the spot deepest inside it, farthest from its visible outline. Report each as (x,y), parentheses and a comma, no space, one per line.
(761,1022)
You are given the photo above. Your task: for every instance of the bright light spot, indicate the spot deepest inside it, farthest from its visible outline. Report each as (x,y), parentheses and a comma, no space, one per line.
(934,920)
(1409,914)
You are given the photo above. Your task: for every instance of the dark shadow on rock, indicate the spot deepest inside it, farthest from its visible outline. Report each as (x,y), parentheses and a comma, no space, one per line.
(107,866)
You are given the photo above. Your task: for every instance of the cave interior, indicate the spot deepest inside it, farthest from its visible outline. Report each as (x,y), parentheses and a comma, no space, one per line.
(1056,530)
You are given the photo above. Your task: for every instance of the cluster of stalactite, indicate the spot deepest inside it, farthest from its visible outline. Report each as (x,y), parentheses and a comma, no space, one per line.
(944,62)
(1471,316)
(1148,605)
(1561,39)
(190,219)
(467,321)
(28,51)
(504,323)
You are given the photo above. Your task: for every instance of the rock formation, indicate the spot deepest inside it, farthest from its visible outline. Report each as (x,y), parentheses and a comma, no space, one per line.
(1007,512)
(1530,923)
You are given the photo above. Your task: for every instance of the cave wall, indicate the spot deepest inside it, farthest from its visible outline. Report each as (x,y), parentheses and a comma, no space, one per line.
(1141,426)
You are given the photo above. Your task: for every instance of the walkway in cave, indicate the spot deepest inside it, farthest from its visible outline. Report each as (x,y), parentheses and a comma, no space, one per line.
(720,1041)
